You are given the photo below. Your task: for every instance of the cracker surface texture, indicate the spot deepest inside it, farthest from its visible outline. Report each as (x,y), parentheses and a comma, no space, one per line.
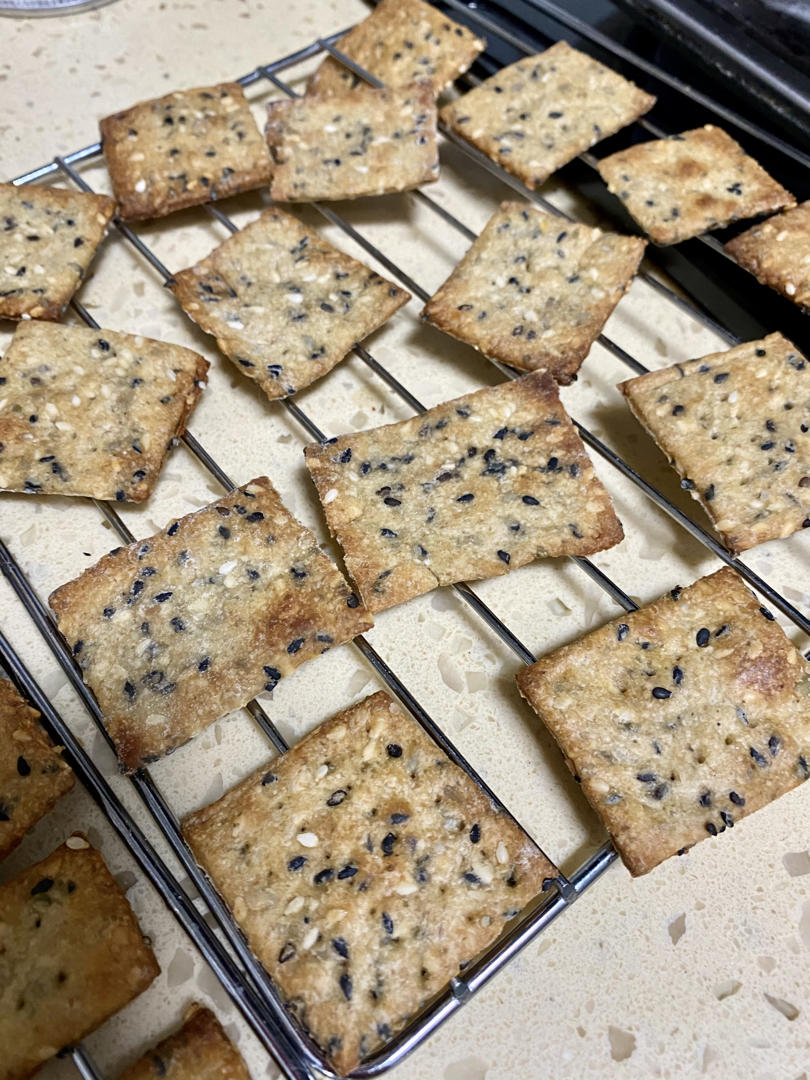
(284,305)
(48,237)
(471,489)
(365,869)
(535,291)
(91,412)
(400,42)
(777,253)
(536,115)
(32,773)
(71,955)
(735,425)
(174,631)
(680,718)
(683,186)
(187,148)
(362,142)
(200,1050)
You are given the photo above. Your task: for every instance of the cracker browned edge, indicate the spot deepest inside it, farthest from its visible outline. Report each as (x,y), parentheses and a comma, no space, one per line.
(745,250)
(14,307)
(201,1030)
(134,208)
(543,388)
(277,111)
(562,369)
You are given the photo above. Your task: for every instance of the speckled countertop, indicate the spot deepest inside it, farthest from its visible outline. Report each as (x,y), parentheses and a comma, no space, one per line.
(679,974)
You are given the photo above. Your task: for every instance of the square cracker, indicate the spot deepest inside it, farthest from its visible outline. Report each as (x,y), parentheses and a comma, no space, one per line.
(679,719)
(536,115)
(361,142)
(32,773)
(366,870)
(186,148)
(777,253)
(91,412)
(174,631)
(284,304)
(399,42)
(71,955)
(684,185)
(48,237)
(534,291)
(735,426)
(471,489)
(200,1050)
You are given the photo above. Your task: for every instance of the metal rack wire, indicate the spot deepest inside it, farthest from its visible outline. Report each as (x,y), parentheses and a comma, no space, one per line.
(249,984)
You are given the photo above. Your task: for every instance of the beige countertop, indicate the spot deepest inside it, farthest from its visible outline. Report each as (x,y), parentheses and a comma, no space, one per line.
(678,974)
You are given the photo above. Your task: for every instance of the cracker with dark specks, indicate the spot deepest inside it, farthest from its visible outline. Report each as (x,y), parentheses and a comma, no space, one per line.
(735,425)
(183,149)
(71,955)
(176,630)
(679,719)
(92,412)
(366,870)
(399,42)
(534,291)
(471,489)
(361,142)
(777,253)
(48,237)
(284,305)
(33,775)
(200,1050)
(684,185)
(536,115)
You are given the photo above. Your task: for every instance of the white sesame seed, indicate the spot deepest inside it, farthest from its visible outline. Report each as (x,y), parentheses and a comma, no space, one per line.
(330,496)
(75,400)
(227,567)
(140,186)
(294,905)
(310,937)
(790,289)
(406,889)
(322,771)
(307,839)
(76,843)
(501,854)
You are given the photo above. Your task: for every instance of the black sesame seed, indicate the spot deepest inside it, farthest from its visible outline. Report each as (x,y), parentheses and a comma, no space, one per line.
(738,800)
(224,532)
(23,768)
(394,750)
(204,664)
(622,630)
(472,878)
(721,377)
(340,946)
(399,819)
(294,646)
(504,556)
(660,790)
(388,842)
(129,690)
(347,871)
(530,500)
(297,862)
(465,498)
(162,597)
(346,986)
(661,692)
(727,818)
(269,778)
(287,953)
(764,611)
(677,676)
(774,743)
(702,637)
(388,923)
(172,529)
(324,875)
(760,759)
(336,798)
(475,834)
(178,625)
(108,612)
(257,515)
(646,777)
(705,798)
(42,886)
(711,828)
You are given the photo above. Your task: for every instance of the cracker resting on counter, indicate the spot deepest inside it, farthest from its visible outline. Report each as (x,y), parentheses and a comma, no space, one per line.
(199,1050)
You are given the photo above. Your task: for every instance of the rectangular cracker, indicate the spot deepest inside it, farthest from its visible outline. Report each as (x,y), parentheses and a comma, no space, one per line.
(362,142)
(471,489)
(71,955)
(735,425)
(535,291)
(399,42)
(679,719)
(366,870)
(200,1050)
(176,630)
(537,114)
(48,237)
(92,412)
(284,305)
(33,775)
(684,185)
(777,253)
(183,149)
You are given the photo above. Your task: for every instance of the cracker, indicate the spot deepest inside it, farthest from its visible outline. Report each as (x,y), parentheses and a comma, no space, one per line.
(71,955)
(32,773)
(48,237)
(534,291)
(366,870)
(200,1050)
(684,185)
(471,489)
(284,304)
(91,412)
(187,148)
(735,425)
(362,142)
(536,115)
(777,253)
(399,42)
(174,631)
(679,719)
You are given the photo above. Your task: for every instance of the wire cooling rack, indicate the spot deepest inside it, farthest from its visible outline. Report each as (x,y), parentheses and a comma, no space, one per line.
(240,974)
